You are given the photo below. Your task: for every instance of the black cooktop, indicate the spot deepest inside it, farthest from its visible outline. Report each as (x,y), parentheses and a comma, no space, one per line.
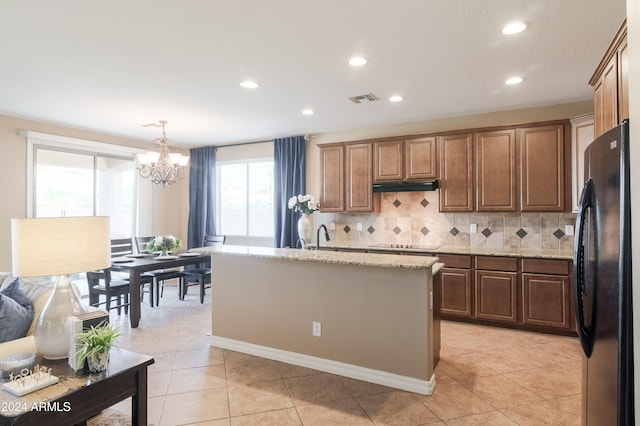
(405,246)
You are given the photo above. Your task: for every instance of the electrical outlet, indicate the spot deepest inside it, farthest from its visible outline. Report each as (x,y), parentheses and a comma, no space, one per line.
(568,230)
(332,226)
(316,329)
(359,226)
(473,228)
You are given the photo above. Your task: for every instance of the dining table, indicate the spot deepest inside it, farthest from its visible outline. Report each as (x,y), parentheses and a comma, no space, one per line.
(137,264)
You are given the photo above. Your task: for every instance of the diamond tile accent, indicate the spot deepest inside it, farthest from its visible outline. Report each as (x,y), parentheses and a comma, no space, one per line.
(397,203)
(346,229)
(397,230)
(521,233)
(424,231)
(371,229)
(558,234)
(424,202)
(486,232)
(454,231)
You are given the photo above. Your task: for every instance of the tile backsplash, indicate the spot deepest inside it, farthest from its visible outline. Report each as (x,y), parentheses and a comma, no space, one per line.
(414,218)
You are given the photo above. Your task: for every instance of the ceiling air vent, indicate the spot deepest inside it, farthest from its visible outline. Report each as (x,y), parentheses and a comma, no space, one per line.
(369,97)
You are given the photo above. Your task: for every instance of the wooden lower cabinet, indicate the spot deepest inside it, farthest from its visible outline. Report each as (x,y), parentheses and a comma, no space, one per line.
(527,293)
(455,294)
(546,300)
(455,285)
(496,296)
(547,293)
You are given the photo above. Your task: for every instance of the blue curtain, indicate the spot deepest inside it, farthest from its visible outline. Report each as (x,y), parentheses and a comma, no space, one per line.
(290,176)
(202,195)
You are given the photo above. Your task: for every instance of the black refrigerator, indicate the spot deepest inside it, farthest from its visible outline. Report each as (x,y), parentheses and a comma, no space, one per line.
(602,281)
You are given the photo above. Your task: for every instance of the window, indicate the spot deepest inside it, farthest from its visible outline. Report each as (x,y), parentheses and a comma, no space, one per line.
(245,198)
(71,177)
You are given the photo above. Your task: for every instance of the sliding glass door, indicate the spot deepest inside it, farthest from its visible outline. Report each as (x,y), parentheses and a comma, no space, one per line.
(75,183)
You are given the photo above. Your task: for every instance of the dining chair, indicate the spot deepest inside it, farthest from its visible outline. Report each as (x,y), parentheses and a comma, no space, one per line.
(121,247)
(100,283)
(200,276)
(160,276)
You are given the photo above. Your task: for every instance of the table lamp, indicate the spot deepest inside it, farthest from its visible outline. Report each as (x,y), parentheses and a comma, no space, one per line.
(59,246)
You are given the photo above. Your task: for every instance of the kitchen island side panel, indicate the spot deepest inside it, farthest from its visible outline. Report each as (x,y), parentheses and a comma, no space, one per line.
(373,317)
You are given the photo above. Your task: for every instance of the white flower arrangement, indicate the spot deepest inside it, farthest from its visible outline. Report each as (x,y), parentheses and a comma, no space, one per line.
(306,204)
(164,243)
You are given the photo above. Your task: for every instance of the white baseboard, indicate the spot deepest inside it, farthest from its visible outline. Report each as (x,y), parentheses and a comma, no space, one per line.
(384,378)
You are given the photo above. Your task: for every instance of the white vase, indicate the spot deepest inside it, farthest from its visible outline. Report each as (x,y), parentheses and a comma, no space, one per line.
(305,229)
(52,327)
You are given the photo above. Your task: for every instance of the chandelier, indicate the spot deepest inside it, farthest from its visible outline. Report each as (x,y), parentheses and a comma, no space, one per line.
(162,167)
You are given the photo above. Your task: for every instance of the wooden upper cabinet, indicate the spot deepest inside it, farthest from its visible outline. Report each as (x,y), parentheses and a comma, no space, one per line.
(420,158)
(332,178)
(542,168)
(388,161)
(610,85)
(358,174)
(404,160)
(623,81)
(496,174)
(606,98)
(455,163)
(582,132)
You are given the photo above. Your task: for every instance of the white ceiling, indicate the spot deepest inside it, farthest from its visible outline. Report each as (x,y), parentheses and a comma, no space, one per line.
(110,66)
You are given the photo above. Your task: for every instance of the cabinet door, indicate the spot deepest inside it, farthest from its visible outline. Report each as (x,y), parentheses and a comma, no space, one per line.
(496,177)
(388,161)
(455,292)
(455,164)
(496,296)
(542,171)
(623,81)
(582,134)
(359,180)
(546,300)
(332,178)
(420,158)
(606,98)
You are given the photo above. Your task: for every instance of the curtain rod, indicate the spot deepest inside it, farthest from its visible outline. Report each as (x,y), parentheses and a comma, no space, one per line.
(306,138)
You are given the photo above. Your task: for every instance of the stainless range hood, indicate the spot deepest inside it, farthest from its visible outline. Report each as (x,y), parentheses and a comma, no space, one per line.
(430,185)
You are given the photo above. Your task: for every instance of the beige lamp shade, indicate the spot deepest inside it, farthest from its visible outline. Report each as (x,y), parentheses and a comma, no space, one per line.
(59,246)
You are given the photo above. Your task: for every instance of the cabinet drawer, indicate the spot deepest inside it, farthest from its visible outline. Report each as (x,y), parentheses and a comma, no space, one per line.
(455,260)
(546,266)
(492,263)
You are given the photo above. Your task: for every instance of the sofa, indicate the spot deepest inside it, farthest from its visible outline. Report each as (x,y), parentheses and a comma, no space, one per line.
(38,292)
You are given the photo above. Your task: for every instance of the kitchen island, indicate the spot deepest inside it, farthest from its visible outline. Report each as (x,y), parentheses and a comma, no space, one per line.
(364,316)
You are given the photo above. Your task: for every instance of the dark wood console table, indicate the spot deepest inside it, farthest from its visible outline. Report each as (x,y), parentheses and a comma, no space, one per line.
(79,396)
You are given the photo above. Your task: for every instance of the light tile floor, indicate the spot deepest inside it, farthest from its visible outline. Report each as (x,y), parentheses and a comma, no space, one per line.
(486,376)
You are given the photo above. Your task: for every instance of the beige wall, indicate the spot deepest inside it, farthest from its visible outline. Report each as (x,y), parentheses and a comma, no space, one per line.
(170,205)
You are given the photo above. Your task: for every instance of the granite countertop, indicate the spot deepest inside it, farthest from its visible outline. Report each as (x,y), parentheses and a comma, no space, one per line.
(531,253)
(325,256)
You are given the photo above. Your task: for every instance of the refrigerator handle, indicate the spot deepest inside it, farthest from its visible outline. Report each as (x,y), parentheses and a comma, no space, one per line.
(579,282)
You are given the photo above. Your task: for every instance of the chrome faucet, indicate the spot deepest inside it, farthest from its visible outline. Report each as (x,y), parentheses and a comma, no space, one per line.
(326,235)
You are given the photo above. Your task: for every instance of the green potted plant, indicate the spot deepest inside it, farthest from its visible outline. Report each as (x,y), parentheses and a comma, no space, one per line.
(94,346)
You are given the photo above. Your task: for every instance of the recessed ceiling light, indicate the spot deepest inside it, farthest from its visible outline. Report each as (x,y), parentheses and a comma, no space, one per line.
(396,98)
(357,61)
(249,84)
(514,80)
(308,112)
(514,28)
